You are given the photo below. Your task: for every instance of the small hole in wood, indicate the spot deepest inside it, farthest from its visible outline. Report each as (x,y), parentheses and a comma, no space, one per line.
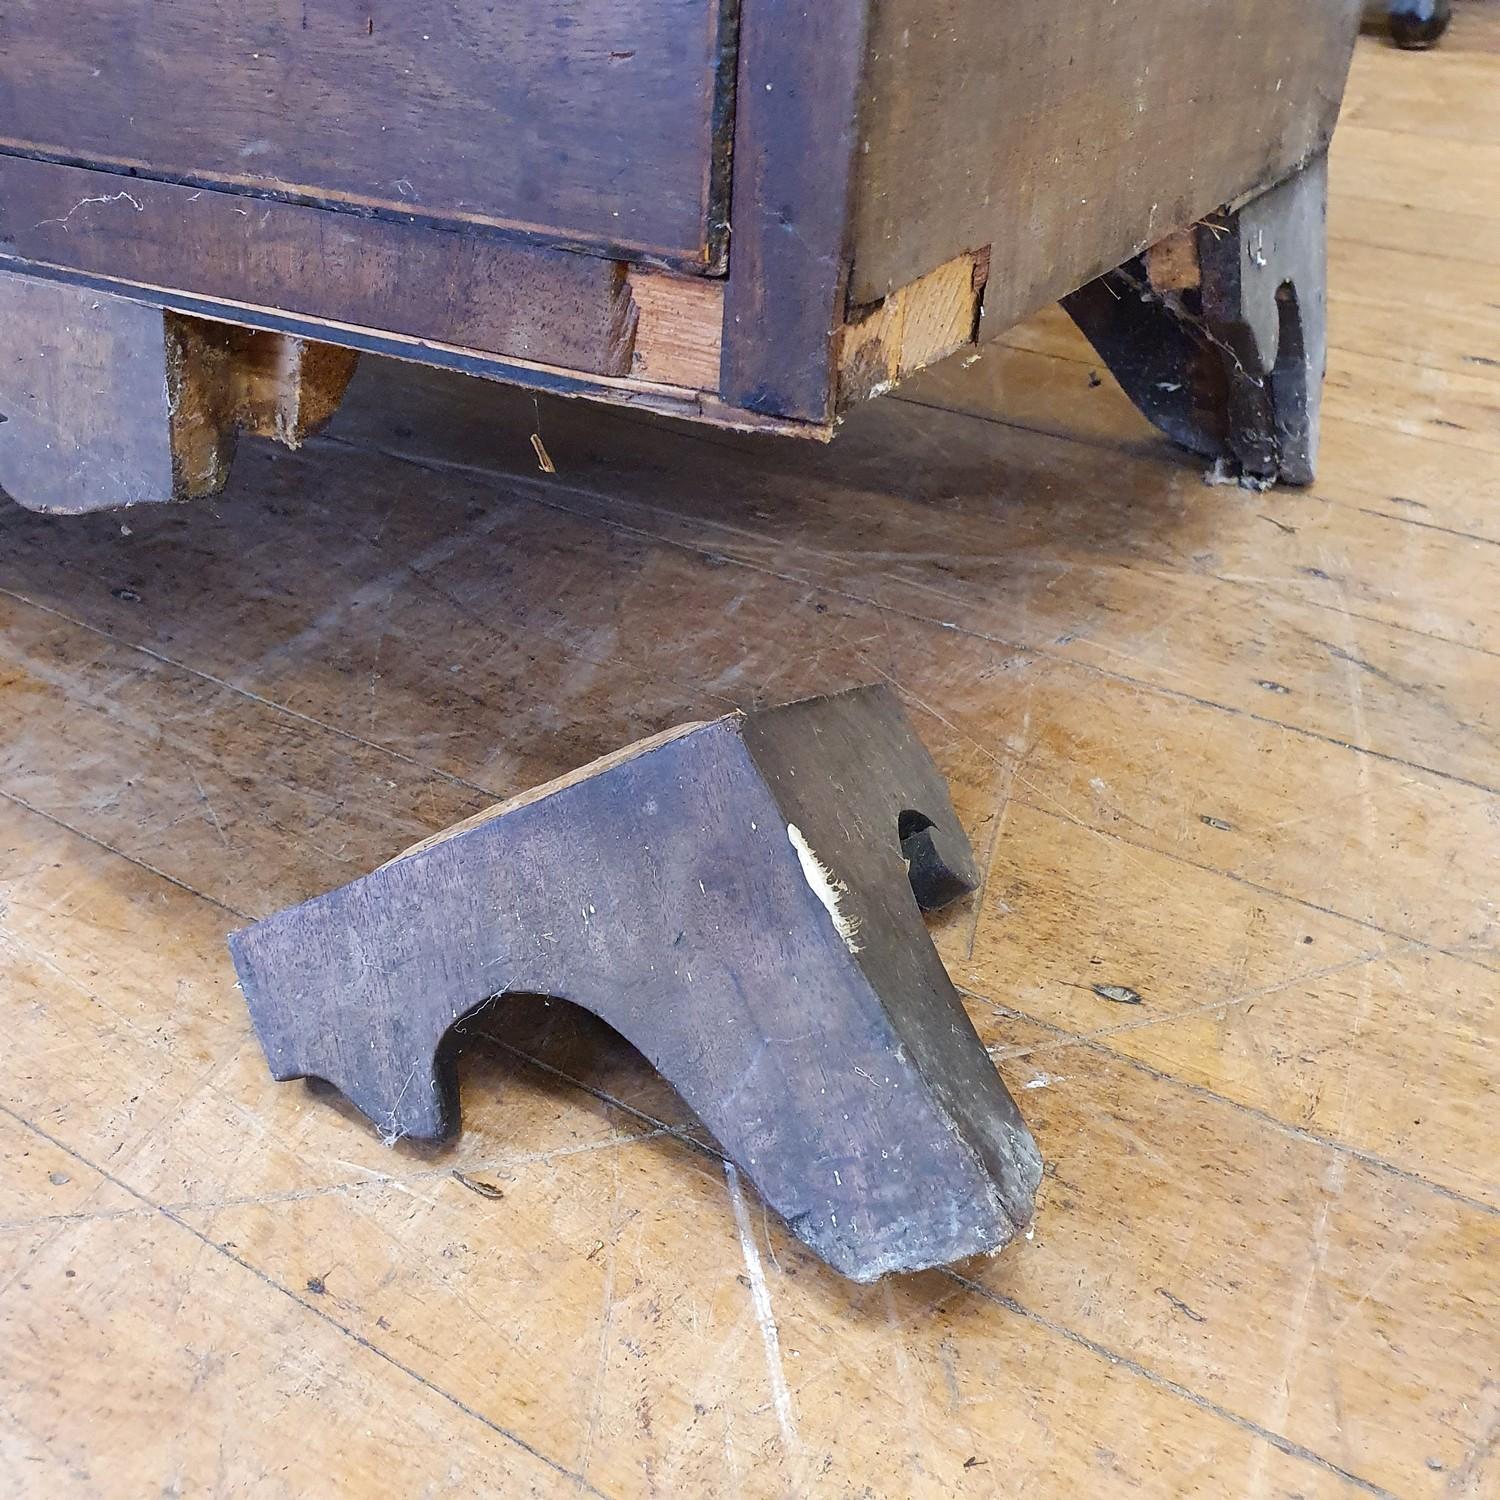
(910,823)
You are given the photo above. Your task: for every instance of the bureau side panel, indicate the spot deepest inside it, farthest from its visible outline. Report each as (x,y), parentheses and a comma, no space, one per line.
(1065,135)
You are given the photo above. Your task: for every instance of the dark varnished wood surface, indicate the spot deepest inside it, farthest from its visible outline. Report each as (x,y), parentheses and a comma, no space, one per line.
(488,294)
(1225,348)
(732,898)
(85,395)
(800,68)
(888,137)
(108,403)
(1068,136)
(580,120)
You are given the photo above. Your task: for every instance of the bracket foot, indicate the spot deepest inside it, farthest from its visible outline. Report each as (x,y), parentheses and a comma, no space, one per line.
(1219,333)
(740,900)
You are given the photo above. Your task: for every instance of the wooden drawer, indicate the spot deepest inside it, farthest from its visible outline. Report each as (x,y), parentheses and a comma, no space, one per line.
(588,122)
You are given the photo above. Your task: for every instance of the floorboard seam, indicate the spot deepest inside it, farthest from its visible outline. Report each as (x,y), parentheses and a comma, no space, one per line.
(270,704)
(1467,536)
(130,859)
(1171,457)
(1411,938)
(242,692)
(1165,1383)
(349,1333)
(1295,1450)
(1102,1351)
(1066,1039)
(1354,614)
(378,1179)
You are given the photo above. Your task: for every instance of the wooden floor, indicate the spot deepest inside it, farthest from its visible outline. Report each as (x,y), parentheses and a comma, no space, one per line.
(1235,751)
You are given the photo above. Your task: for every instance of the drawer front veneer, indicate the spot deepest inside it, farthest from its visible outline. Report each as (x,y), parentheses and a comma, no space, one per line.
(598,123)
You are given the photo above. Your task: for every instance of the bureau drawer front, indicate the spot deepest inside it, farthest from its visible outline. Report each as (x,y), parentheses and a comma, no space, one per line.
(587,122)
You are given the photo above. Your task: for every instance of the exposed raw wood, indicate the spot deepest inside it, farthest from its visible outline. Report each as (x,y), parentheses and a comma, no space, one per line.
(1172,264)
(679,331)
(643,395)
(557,320)
(225,380)
(490,295)
(915,326)
(1223,343)
(846,142)
(290,387)
(600,124)
(107,403)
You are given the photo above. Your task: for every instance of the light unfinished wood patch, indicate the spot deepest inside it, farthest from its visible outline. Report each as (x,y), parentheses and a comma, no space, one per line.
(680,332)
(106,402)
(1172,263)
(224,380)
(932,317)
(1294,1238)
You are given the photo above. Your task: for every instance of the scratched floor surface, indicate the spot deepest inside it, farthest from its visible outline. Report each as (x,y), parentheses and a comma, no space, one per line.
(1234,752)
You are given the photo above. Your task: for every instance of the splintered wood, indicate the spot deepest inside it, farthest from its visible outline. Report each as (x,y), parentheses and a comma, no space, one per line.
(225,380)
(916,325)
(109,403)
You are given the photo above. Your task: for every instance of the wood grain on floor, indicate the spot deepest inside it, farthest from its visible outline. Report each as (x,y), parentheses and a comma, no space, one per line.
(1236,752)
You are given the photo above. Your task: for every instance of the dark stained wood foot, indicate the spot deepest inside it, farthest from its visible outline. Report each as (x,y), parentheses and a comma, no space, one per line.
(740,900)
(1219,335)
(107,403)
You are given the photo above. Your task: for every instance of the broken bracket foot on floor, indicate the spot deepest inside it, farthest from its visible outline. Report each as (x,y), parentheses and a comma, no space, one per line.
(736,899)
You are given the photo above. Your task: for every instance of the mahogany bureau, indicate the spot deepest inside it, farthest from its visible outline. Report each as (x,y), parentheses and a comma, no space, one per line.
(747,212)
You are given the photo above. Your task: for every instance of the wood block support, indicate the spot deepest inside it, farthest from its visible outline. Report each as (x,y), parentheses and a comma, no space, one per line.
(106,402)
(740,900)
(1219,334)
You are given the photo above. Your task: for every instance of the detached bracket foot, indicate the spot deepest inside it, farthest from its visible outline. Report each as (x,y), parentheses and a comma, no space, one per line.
(1219,333)
(740,900)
